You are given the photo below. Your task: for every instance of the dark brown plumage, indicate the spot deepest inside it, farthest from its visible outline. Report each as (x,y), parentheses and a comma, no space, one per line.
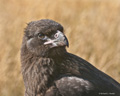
(49,70)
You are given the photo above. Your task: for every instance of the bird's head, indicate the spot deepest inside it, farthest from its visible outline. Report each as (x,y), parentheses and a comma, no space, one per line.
(44,37)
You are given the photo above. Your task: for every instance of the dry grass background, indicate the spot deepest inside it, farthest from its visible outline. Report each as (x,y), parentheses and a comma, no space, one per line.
(92,27)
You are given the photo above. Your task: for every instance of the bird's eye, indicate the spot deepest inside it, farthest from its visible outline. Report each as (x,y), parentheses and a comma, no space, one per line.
(41,36)
(29,37)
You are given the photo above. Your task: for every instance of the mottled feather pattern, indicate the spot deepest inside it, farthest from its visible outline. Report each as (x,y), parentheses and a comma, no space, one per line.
(68,84)
(36,73)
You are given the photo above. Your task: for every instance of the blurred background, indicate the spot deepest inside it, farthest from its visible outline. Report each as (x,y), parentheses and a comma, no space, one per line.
(92,27)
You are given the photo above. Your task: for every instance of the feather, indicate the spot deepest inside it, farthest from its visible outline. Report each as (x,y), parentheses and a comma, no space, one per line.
(52,71)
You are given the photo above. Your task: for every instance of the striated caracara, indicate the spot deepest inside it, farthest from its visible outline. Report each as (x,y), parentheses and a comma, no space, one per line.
(49,70)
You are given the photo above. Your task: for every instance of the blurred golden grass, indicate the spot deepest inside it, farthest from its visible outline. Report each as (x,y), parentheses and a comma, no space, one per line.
(92,27)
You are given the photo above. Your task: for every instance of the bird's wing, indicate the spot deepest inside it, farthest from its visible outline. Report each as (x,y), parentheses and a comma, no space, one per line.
(73,86)
(70,86)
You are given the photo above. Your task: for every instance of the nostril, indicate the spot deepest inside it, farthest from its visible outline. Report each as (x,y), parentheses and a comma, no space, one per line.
(56,35)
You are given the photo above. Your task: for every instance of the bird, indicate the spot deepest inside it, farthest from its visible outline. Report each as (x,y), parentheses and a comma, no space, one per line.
(48,69)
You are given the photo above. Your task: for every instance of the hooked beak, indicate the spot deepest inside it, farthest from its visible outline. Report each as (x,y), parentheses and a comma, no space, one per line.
(59,40)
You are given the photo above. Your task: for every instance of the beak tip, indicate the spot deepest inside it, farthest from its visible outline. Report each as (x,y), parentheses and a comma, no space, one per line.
(67,43)
(68,46)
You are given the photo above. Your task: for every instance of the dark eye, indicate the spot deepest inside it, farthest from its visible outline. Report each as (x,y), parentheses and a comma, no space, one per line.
(41,36)
(29,37)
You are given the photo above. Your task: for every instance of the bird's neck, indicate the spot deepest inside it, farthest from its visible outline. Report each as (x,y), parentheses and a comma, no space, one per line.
(38,74)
